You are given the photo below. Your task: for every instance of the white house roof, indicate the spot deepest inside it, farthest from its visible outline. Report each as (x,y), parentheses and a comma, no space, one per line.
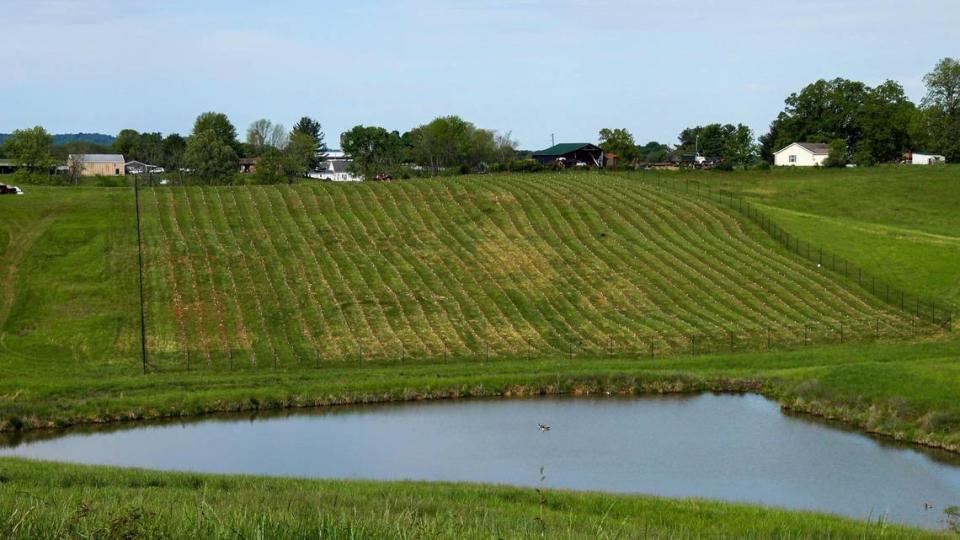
(812,147)
(98,158)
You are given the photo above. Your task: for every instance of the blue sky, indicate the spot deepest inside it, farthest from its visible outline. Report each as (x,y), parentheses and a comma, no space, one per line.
(532,67)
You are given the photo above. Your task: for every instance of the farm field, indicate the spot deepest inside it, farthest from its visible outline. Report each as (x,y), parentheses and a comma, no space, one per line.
(499,266)
(481,286)
(900,222)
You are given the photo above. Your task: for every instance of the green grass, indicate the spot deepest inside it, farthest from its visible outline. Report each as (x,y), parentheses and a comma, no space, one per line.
(42,500)
(899,222)
(318,294)
(502,265)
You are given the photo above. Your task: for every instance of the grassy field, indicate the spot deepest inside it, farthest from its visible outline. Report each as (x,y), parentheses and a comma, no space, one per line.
(319,294)
(39,500)
(899,222)
(500,266)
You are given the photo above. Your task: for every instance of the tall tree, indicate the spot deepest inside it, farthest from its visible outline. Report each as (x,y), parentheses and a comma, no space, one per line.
(710,140)
(874,122)
(286,164)
(151,148)
(311,127)
(30,149)
(209,158)
(740,149)
(263,134)
(620,142)
(653,152)
(173,148)
(374,149)
(506,146)
(941,108)
(450,141)
(128,144)
(221,127)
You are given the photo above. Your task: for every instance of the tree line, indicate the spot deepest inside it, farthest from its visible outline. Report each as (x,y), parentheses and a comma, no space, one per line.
(862,124)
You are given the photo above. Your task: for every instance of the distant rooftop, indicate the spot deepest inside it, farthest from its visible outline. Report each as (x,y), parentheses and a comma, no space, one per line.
(97,158)
(562,148)
(816,147)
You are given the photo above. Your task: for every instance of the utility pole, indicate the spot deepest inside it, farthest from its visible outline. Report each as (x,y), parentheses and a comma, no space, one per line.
(143,317)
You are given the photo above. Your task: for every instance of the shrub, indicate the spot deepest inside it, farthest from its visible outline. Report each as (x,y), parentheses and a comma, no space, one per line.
(863,158)
(838,154)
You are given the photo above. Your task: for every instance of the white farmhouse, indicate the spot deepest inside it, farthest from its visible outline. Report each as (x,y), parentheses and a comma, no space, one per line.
(926,159)
(801,154)
(335,168)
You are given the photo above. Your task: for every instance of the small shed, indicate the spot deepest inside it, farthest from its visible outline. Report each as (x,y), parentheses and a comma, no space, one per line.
(572,154)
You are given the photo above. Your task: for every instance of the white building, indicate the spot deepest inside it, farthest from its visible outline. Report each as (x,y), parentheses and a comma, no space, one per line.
(801,154)
(926,159)
(335,168)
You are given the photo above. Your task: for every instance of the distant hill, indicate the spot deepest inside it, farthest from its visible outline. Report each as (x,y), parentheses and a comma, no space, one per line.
(64,138)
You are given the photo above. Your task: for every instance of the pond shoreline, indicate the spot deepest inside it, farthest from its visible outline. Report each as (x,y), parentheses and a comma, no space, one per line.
(871,420)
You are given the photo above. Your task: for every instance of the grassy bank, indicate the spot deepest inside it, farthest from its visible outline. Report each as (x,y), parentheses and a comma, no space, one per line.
(898,222)
(907,391)
(42,500)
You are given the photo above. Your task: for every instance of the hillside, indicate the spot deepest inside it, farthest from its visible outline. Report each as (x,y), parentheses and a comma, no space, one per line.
(506,266)
(896,221)
(493,266)
(60,139)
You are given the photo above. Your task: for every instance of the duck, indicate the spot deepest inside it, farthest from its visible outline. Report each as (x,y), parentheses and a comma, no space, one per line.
(543,427)
(927,506)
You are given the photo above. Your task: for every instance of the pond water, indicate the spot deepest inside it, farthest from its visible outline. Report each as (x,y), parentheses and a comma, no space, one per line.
(729,447)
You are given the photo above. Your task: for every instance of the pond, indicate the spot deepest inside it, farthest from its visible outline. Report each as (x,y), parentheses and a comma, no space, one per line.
(729,447)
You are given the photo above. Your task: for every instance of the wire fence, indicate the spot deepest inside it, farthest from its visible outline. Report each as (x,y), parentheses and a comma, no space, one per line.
(935,312)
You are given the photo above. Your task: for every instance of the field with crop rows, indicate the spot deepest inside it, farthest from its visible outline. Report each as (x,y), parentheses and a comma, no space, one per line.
(480,266)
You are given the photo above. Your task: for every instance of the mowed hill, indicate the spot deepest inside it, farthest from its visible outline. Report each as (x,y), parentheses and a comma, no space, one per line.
(473,267)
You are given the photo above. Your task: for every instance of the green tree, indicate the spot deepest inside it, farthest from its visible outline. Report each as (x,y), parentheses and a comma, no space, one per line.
(620,142)
(941,106)
(837,156)
(151,148)
(263,134)
(30,149)
(653,152)
(450,141)
(221,127)
(311,127)
(286,164)
(173,148)
(710,140)
(740,149)
(128,144)
(209,158)
(874,121)
(374,149)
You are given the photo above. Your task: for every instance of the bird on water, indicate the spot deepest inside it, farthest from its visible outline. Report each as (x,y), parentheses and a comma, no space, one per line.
(543,427)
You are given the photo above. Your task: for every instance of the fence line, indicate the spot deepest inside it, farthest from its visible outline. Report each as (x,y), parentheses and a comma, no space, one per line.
(936,312)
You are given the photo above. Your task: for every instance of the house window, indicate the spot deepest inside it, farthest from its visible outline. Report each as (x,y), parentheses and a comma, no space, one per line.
(792,159)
